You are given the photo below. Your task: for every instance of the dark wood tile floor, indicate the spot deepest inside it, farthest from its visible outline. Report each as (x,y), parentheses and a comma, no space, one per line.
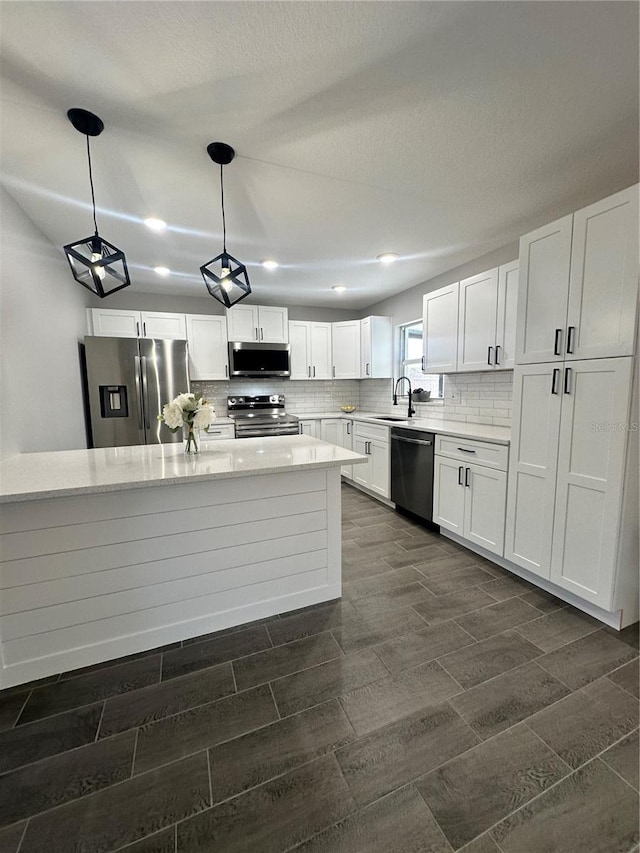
(441,705)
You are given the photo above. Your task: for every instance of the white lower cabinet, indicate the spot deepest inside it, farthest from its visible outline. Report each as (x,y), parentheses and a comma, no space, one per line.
(345,436)
(330,430)
(372,440)
(310,427)
(470,500)
(567,474)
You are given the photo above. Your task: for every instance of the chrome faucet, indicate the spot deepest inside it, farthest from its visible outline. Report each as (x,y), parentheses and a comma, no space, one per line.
(411,411)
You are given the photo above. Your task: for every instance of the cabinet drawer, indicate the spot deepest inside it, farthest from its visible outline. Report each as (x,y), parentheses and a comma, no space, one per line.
(472,451)
(217,433)
(365,430)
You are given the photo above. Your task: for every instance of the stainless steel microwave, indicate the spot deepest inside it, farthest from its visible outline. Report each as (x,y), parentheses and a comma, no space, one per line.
(251,359)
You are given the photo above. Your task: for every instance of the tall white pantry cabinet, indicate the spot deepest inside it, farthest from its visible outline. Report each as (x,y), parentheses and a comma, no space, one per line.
(572,505)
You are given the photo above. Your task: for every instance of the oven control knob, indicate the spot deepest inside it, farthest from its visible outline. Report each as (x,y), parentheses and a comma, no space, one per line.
(232,400)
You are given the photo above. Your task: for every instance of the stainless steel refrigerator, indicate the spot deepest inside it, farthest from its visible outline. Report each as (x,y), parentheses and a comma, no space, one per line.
(128,382)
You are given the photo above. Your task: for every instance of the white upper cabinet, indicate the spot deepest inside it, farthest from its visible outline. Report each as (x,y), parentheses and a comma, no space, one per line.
(310,350)
(346,350)
(603,285)
(321,351)
(543,293)
(579,284)
(508,276)
(207,336)
(477,317)
(376,335)
(116,323)
(263,323)
(591,460)
(440,330)
(158,324)
(300,340)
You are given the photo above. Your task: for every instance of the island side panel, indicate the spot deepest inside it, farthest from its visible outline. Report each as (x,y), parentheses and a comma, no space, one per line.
(93,578)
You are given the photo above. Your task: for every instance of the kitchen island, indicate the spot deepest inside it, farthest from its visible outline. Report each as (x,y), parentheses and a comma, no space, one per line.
(109,552)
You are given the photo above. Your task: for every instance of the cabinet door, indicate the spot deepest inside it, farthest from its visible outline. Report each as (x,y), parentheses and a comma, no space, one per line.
(376,345)
(448,494)
(477,312)
(532,466)
(157,324)
(320,350)
(361,473)
(603,287)
(543,290)
(330,430)
(114,323)
(484,511)
(207,338)
(310,428)
(379,468)
(346,350)
(365,348)
(594,429)
(242,323)
(273,325)
(300,340)
(507,316)
(346,441)
(440,330)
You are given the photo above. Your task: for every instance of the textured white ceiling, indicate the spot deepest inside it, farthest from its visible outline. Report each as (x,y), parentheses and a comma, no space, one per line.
(436,130)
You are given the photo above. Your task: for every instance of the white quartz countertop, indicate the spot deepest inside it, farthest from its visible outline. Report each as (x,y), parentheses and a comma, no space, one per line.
(33,476)
(459,429)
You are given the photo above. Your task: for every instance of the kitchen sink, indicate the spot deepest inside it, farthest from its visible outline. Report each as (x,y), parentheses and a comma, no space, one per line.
(389,418)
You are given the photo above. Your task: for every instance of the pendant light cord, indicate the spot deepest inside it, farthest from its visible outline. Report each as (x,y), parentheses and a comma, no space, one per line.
(93,197)
(224,221)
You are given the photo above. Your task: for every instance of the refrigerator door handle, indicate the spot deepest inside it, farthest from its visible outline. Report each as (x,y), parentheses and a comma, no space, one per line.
(145,392)
(136,360)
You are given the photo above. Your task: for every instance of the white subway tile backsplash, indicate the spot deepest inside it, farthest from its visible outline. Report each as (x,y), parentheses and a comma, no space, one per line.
(483,397)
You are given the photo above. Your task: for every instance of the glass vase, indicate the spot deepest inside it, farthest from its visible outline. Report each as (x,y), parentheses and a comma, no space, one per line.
(190,439)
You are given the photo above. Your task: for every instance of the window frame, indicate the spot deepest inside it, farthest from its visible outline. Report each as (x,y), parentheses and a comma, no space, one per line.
(404,362)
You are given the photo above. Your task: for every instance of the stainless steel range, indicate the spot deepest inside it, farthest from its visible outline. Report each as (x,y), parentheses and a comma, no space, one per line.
(260,415)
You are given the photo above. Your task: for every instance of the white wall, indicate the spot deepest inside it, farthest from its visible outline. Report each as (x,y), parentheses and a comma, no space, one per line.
(407,306)
(42,318)
(141,301)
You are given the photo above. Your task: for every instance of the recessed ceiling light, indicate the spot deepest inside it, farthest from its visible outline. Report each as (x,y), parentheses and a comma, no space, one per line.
(163,271)
(269,264)
(387,257)
(339,288)
(155,224)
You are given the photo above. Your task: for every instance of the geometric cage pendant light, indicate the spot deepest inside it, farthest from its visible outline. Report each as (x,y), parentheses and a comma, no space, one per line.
(226,277)
(95,263)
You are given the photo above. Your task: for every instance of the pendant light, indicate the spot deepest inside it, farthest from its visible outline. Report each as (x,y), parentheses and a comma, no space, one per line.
(95,263)
(225,277)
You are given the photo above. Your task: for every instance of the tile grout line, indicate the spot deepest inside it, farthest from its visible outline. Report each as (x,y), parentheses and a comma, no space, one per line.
(548,746)
(99,726)
(208,751)
(135,750)
(21,711)
(275,703)
(24,832)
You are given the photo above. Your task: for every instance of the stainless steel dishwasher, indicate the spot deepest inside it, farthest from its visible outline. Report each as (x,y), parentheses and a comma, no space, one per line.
(412,471)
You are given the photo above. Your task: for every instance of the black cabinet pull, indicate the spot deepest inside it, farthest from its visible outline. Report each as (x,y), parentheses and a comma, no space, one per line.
(557,342)
(467,474)
(144,329)
(497,353)
(489,355)
(554,380)
(460,467)
(570,335)
(567,375)
(348,427)
(314,371)
(464,450)
(137,330)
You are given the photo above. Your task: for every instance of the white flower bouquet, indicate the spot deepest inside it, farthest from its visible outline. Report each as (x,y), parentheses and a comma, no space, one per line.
(191,412)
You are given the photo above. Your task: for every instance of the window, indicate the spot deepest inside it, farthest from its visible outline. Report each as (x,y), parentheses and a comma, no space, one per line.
(411,361)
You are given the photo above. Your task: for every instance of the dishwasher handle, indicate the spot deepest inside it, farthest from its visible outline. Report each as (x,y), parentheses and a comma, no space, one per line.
(410,440)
